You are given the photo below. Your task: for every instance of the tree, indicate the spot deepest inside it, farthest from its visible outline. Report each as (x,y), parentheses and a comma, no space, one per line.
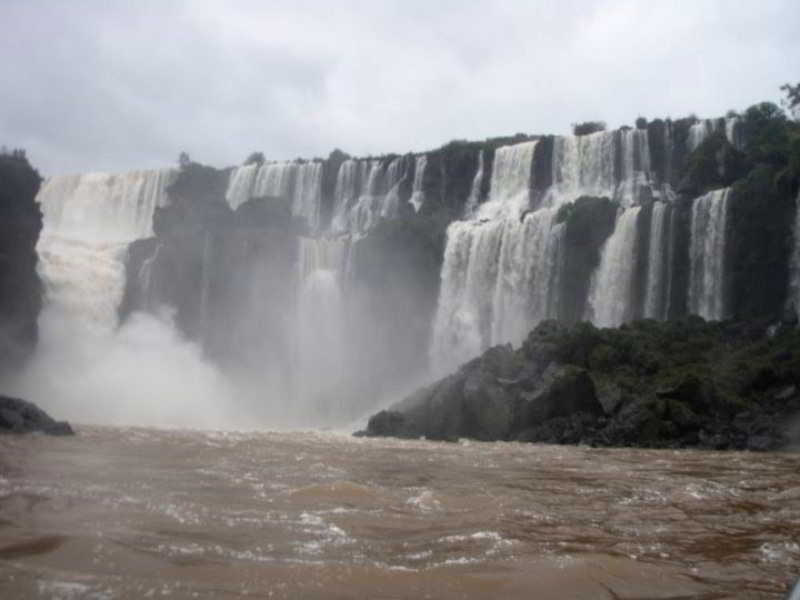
(792,100)
(588,127)
(255,158)
(183,160)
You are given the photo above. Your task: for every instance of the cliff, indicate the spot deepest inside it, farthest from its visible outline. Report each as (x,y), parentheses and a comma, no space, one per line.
(20,287)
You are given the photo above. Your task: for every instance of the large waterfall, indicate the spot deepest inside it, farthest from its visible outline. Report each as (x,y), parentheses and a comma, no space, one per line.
(88,222)
(499,266)
(311,311)
(85,366)
(707,255)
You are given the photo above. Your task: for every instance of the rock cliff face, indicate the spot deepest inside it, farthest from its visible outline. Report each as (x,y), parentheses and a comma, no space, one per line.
(20,287)
(677,384)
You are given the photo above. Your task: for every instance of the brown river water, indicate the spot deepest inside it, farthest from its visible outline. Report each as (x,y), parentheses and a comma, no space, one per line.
(145,513)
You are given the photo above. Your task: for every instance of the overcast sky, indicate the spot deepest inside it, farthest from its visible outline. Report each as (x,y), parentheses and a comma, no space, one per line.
(112,85)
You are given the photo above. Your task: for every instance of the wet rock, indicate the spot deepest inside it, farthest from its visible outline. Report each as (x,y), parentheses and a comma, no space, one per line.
(762,443)
(20,416)
(386,423)
(562,391)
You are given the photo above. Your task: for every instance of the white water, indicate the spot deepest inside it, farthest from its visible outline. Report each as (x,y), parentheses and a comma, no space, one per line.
(611,286)
(417,191)
(586,166)
(366,192)
(655,301)
(475,191)
(300,183)
(88,222)
(85,368)
(794,265)
(707,255)
(703,128)
(322,359)
(500,267)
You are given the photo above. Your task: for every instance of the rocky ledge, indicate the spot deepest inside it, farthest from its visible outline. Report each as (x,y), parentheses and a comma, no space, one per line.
(678,384)
(19,416)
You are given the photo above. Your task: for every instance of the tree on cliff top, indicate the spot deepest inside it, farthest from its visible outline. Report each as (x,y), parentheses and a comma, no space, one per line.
(792,100)
(255,158)
(588,127)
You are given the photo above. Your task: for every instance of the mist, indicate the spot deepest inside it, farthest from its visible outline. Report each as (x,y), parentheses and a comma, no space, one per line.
(143,374)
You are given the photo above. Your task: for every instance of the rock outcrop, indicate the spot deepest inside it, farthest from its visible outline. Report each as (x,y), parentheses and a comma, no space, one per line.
(20,416)
(20,286)
(677,384)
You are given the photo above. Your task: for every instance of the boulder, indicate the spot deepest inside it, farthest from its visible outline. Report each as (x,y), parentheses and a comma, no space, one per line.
(20,416)
(562,391)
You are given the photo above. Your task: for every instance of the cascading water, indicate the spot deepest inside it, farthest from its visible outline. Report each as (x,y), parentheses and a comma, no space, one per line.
(587,165)
(141,373)
(322,368)
(610,290)
(366,192)
(475,190)
(793,301)
(88,222)
(240,185)
(707,255)
(655,301)
(298,182)
(500,267)
(704,128)
(307,197)
(417,191)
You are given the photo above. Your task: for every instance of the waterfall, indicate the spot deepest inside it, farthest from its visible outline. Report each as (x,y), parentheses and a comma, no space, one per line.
(707,255)
(793,301)
(366,192)
(417,192)
(704,128)
(322,368)
(588,165)
(611,286)
(500,271)
(475,190)
(240,185)
(88,222)
(655,301)
(527,278)
(300,183)
(307,199)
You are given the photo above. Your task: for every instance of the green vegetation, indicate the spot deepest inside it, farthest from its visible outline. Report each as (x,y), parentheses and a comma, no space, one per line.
(255,158)
(588,127)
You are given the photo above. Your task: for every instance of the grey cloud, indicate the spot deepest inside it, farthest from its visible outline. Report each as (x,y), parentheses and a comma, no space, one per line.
(90,85)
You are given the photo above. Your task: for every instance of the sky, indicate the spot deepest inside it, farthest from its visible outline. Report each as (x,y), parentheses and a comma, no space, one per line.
(114,86)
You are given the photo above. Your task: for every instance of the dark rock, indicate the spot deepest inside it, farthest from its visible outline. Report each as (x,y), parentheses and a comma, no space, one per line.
(20,286)
(563,390)
(386,423)
(20,416)
(714,385)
